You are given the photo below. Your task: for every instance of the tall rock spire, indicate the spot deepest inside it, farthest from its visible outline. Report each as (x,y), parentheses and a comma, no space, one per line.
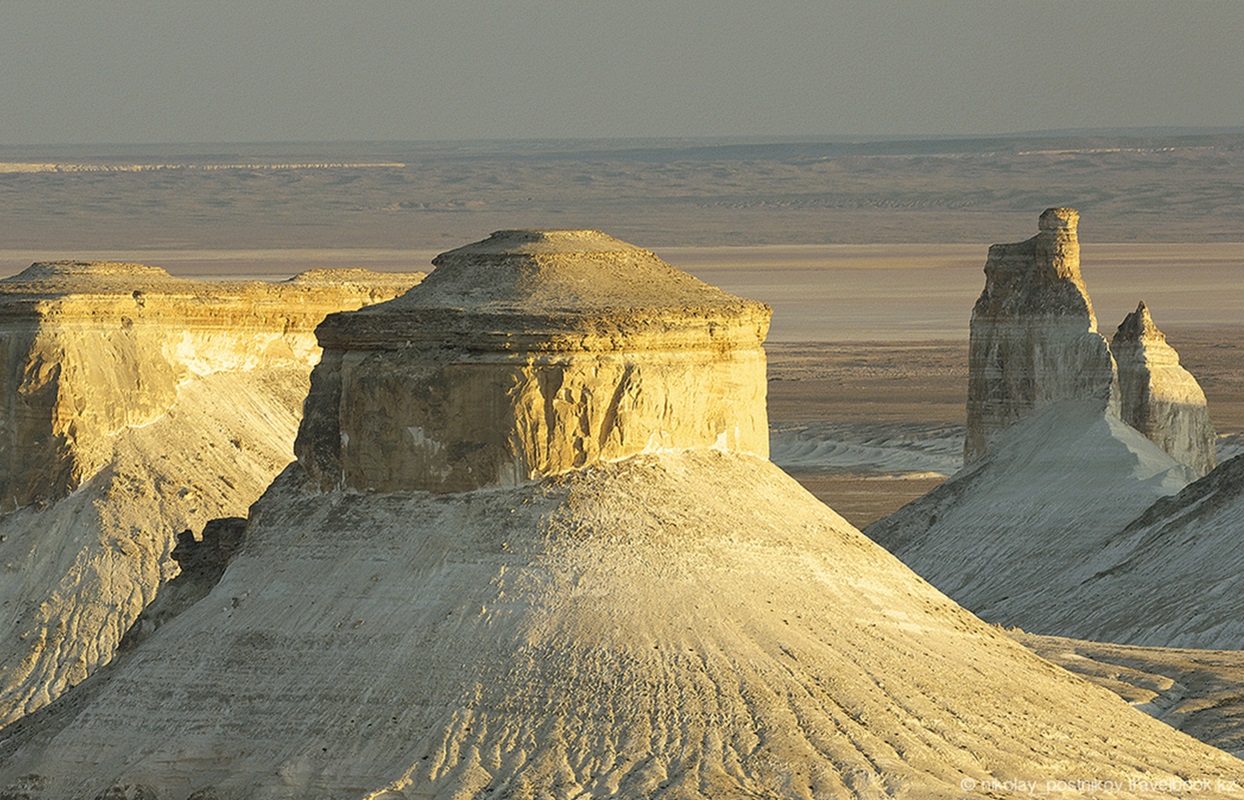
(1034,338)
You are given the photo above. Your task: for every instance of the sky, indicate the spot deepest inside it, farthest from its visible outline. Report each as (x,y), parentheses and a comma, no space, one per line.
(141,71)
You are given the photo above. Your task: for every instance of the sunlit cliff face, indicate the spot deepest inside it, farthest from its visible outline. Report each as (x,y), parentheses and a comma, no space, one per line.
(530,354)
(135,406)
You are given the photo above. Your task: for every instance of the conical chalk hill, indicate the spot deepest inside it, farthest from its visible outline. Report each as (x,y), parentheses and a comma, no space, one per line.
(655,611)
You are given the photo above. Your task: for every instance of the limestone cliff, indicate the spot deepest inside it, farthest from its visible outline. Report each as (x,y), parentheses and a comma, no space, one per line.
(133,406)
(530,354)
(1034,338)
(685,622)
(1160,398)
(88,349)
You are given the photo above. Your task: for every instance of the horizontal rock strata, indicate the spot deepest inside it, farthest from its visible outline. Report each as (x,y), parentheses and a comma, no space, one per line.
(530,354)
(1034,338)
(135,406)
(652,611)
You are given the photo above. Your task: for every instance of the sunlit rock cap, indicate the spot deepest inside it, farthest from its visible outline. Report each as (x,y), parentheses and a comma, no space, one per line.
(560,290)
(529,354)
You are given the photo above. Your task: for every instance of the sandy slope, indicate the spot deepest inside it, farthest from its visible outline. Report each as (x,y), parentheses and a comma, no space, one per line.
(677,625)
(1177,583)
(77,574)
(1012,536)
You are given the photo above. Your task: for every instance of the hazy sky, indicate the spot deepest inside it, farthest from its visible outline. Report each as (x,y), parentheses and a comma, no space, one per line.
(256,70)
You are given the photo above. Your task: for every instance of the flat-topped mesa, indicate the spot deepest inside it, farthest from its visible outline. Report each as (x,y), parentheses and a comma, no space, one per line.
(1034,338)
(90,348)
(529,354)
(61,274)
(1160,398)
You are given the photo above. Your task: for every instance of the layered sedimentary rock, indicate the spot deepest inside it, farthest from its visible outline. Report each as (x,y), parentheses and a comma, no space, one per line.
(134,406)
(1034,338)
(88,349)
(530,354)
(1160,398)
(685,622)
(1061,454)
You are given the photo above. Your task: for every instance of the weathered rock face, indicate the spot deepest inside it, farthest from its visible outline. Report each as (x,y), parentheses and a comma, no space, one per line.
(88,349)
(133,407)
(1034,338)
(530,354)
(1160,398)
(687,623)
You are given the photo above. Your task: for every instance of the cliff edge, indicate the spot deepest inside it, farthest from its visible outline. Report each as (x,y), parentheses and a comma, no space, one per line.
(653,611)
(1034,338)
(134,406)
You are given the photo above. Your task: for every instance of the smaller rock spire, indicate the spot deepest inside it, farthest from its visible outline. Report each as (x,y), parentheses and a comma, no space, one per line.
(1160,398)
(1138,326)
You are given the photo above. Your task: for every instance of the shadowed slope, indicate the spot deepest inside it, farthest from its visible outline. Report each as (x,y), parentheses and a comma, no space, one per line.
(1176,581)
(1012,536)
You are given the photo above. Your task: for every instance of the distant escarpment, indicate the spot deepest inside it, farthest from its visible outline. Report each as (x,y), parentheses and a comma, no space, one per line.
(134,406)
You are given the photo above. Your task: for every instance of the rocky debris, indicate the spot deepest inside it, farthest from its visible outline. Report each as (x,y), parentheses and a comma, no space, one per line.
(135,406)
(1034,338)
(1160,398)
(685,622)
(529,354)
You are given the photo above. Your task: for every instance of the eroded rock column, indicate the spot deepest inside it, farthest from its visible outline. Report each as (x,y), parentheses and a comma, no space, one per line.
(1034,338)
(538,352)
(1160,398)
